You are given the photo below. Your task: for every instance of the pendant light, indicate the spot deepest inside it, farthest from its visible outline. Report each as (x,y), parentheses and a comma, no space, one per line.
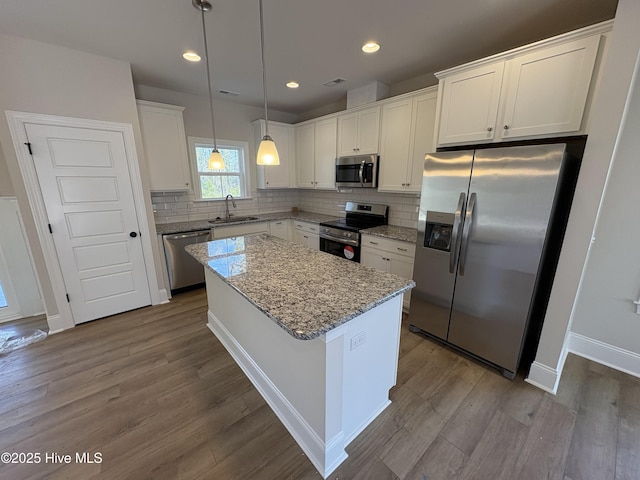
(267,151)
(216,162)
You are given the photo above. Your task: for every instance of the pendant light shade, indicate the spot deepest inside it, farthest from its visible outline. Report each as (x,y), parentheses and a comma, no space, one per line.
(267,152)
(216,162)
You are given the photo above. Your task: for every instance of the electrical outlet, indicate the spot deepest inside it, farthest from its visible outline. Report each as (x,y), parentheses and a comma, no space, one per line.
(358,340)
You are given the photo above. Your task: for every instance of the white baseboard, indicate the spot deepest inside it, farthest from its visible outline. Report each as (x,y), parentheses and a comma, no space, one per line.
(367,422)
(164,296)
(543,377)
(309,441)
(57,324)
(605,354)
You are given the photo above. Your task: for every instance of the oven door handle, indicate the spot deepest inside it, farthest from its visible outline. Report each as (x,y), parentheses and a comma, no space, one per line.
(339,240)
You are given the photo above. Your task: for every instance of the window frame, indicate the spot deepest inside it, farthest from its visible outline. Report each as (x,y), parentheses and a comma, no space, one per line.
(244,173)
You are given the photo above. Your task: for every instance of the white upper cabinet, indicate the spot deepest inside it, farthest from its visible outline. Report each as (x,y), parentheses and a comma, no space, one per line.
(406,136)
(165,146)
(305,156)
(470,105)
(283,175)
(540,90)
(547,90)
(358,132)
(316,154)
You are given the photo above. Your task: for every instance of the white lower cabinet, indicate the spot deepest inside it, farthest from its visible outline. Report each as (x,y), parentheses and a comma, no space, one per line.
(280,229)
(238,230)
(307,234)
(389,256)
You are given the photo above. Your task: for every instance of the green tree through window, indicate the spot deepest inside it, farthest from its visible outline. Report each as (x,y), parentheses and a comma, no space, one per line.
(218,183)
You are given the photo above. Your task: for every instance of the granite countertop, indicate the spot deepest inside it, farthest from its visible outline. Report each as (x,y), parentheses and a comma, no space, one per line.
(393,232)
(274,275)
(179,227)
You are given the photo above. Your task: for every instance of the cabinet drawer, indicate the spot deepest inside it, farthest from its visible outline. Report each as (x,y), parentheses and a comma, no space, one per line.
(393,246)
(306,227)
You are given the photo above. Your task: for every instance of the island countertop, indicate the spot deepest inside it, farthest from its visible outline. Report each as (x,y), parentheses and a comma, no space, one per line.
(306,292)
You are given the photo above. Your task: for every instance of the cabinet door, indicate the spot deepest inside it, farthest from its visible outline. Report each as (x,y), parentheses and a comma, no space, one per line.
(403,267)
(305,155)
(395,145)
(347,133)
(422,142)
(278,176)
(309,240)
(325,153)
(470,105)
(377,259)
(280,229)
(165,147)
(368,131)
(547,90)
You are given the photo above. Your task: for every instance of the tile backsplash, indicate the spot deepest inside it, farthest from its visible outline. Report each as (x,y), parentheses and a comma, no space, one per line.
(403,208)
(180,207)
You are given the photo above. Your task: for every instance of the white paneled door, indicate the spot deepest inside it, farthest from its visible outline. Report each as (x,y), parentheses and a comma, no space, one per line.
(86,187)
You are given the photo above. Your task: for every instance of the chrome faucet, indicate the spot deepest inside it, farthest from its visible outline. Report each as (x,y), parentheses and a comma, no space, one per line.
(226,204)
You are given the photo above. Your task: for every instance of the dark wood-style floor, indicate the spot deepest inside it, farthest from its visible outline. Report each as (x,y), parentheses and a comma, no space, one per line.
(158,397)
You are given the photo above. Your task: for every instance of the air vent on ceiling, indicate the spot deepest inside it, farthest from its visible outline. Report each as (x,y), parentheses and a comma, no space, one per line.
(229,92)
(334,82)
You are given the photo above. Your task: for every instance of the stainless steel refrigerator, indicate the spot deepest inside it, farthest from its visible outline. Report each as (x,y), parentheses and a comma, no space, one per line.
(483,236)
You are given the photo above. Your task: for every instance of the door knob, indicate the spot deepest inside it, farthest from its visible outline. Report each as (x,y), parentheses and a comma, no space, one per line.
(133,234)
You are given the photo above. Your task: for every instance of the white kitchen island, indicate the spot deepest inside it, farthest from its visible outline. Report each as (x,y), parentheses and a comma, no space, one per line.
(317,335)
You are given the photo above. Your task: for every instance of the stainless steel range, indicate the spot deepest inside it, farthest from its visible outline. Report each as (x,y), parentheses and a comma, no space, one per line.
(342,237)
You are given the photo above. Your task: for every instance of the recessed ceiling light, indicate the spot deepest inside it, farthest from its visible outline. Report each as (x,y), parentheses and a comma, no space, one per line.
(370,47)
(191,56)
(293,84)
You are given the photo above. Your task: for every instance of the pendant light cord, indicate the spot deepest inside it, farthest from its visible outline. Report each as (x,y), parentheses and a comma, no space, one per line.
(206,60)
(264,72)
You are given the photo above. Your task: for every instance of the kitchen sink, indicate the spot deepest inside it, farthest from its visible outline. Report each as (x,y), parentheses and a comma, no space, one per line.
(219,220)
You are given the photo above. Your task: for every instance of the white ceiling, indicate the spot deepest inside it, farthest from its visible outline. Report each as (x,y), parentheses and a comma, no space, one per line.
(310,42)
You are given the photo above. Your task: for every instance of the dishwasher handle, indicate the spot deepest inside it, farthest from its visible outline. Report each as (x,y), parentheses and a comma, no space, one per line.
(179,236)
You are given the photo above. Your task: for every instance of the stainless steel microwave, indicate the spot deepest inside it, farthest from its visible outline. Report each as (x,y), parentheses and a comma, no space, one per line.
(357,171)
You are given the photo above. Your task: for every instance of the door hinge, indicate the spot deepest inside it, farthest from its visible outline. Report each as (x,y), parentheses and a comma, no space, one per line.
(28,144)
(68,301)
(50,229)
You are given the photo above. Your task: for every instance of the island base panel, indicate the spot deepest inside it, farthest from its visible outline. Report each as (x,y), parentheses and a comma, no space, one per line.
(326,390)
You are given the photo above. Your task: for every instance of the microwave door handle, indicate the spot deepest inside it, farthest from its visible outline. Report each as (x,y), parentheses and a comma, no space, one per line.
(455,232)
(360,174)
(466,232)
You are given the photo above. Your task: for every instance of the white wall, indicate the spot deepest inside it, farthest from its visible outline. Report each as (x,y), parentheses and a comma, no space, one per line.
(6,188)
(42,78)
(17,259)
(604,310)
(607,118)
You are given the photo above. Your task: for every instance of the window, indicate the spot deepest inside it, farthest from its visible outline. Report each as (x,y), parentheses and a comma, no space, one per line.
(217,184)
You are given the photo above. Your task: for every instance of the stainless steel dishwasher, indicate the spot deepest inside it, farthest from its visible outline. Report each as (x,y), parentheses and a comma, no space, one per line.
(183,269)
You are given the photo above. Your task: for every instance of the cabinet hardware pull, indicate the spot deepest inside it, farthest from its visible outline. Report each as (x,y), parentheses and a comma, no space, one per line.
(506,127)
(489,129)
(373,243)
(402,249)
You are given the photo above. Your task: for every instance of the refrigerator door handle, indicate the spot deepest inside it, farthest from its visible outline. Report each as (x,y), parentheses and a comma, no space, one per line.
(466,231)
(455,232)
